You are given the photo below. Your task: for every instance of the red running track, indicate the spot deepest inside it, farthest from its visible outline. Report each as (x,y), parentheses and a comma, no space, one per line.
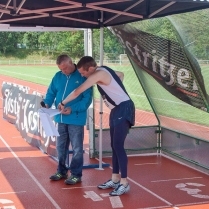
(156,181)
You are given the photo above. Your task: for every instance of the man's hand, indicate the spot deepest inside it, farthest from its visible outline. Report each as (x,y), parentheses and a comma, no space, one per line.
(60,107)
(66,111)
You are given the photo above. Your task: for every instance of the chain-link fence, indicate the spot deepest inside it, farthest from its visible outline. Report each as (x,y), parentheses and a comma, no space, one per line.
(169,88)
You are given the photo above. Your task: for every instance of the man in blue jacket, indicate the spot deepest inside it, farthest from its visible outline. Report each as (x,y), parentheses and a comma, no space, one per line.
(71,122)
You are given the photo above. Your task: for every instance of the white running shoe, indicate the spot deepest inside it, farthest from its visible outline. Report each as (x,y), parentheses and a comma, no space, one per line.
(121,189)
(108,184)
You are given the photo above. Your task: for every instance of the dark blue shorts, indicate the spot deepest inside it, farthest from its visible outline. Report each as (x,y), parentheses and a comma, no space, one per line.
(124,111)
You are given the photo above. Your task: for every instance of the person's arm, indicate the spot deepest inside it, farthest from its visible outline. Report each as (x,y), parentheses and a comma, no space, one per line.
(84,102)
(50,94)
(91,80)
(120,75)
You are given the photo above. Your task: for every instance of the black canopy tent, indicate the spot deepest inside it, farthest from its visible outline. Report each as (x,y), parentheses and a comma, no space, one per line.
(90,14)
(87,13)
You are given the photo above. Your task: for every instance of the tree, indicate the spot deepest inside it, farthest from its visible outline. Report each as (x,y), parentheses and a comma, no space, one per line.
(31,40)
(112,47)
(193,30)
(48,41)
(9,41)
(71,42)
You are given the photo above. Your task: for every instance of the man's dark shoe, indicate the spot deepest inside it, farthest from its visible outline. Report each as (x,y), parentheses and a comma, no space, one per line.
(73,180)
(57,176)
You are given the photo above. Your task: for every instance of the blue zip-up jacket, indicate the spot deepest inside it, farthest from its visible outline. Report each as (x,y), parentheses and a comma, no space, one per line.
(59,88)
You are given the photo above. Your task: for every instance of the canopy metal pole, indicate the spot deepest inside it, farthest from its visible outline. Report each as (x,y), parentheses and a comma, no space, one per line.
(101,102)
(90,112)
(91,109)
(85,35)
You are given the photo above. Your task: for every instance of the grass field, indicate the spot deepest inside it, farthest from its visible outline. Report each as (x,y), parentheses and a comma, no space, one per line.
(162,101)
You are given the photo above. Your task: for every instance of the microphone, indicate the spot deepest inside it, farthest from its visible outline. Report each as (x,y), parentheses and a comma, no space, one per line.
(42,104)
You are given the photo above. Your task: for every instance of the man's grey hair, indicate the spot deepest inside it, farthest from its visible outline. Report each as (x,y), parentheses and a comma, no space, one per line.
(63,58)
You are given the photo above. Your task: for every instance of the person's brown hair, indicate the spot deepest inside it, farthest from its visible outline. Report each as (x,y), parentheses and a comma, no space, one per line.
(86,62)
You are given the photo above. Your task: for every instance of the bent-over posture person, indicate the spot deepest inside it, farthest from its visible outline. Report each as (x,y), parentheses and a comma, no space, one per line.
(122,116)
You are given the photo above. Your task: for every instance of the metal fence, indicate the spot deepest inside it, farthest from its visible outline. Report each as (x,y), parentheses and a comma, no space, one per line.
(27,62)
(201,62)
(52,62)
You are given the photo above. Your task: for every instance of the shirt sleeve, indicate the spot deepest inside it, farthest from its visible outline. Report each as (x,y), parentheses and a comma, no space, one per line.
(51,93)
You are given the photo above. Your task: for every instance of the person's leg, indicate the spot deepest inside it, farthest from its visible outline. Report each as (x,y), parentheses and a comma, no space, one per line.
(115,179)
(118,139)
(118,134)
(62,147)
(115,174)
(76,134)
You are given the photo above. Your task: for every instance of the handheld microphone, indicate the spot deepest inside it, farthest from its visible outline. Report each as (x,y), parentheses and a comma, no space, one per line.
(42,104)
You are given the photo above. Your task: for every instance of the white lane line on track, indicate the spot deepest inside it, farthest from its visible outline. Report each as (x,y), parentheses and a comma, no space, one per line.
(193,204)
(177,179)
(147,164)
(92,195)
(12,192)
(31,175)
(150,192)
(78,187)
(158,207)
(104,195)
(116,202)
(28,75)
(15,137)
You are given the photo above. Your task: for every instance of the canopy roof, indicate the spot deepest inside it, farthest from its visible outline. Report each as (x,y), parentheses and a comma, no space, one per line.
(89,13)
